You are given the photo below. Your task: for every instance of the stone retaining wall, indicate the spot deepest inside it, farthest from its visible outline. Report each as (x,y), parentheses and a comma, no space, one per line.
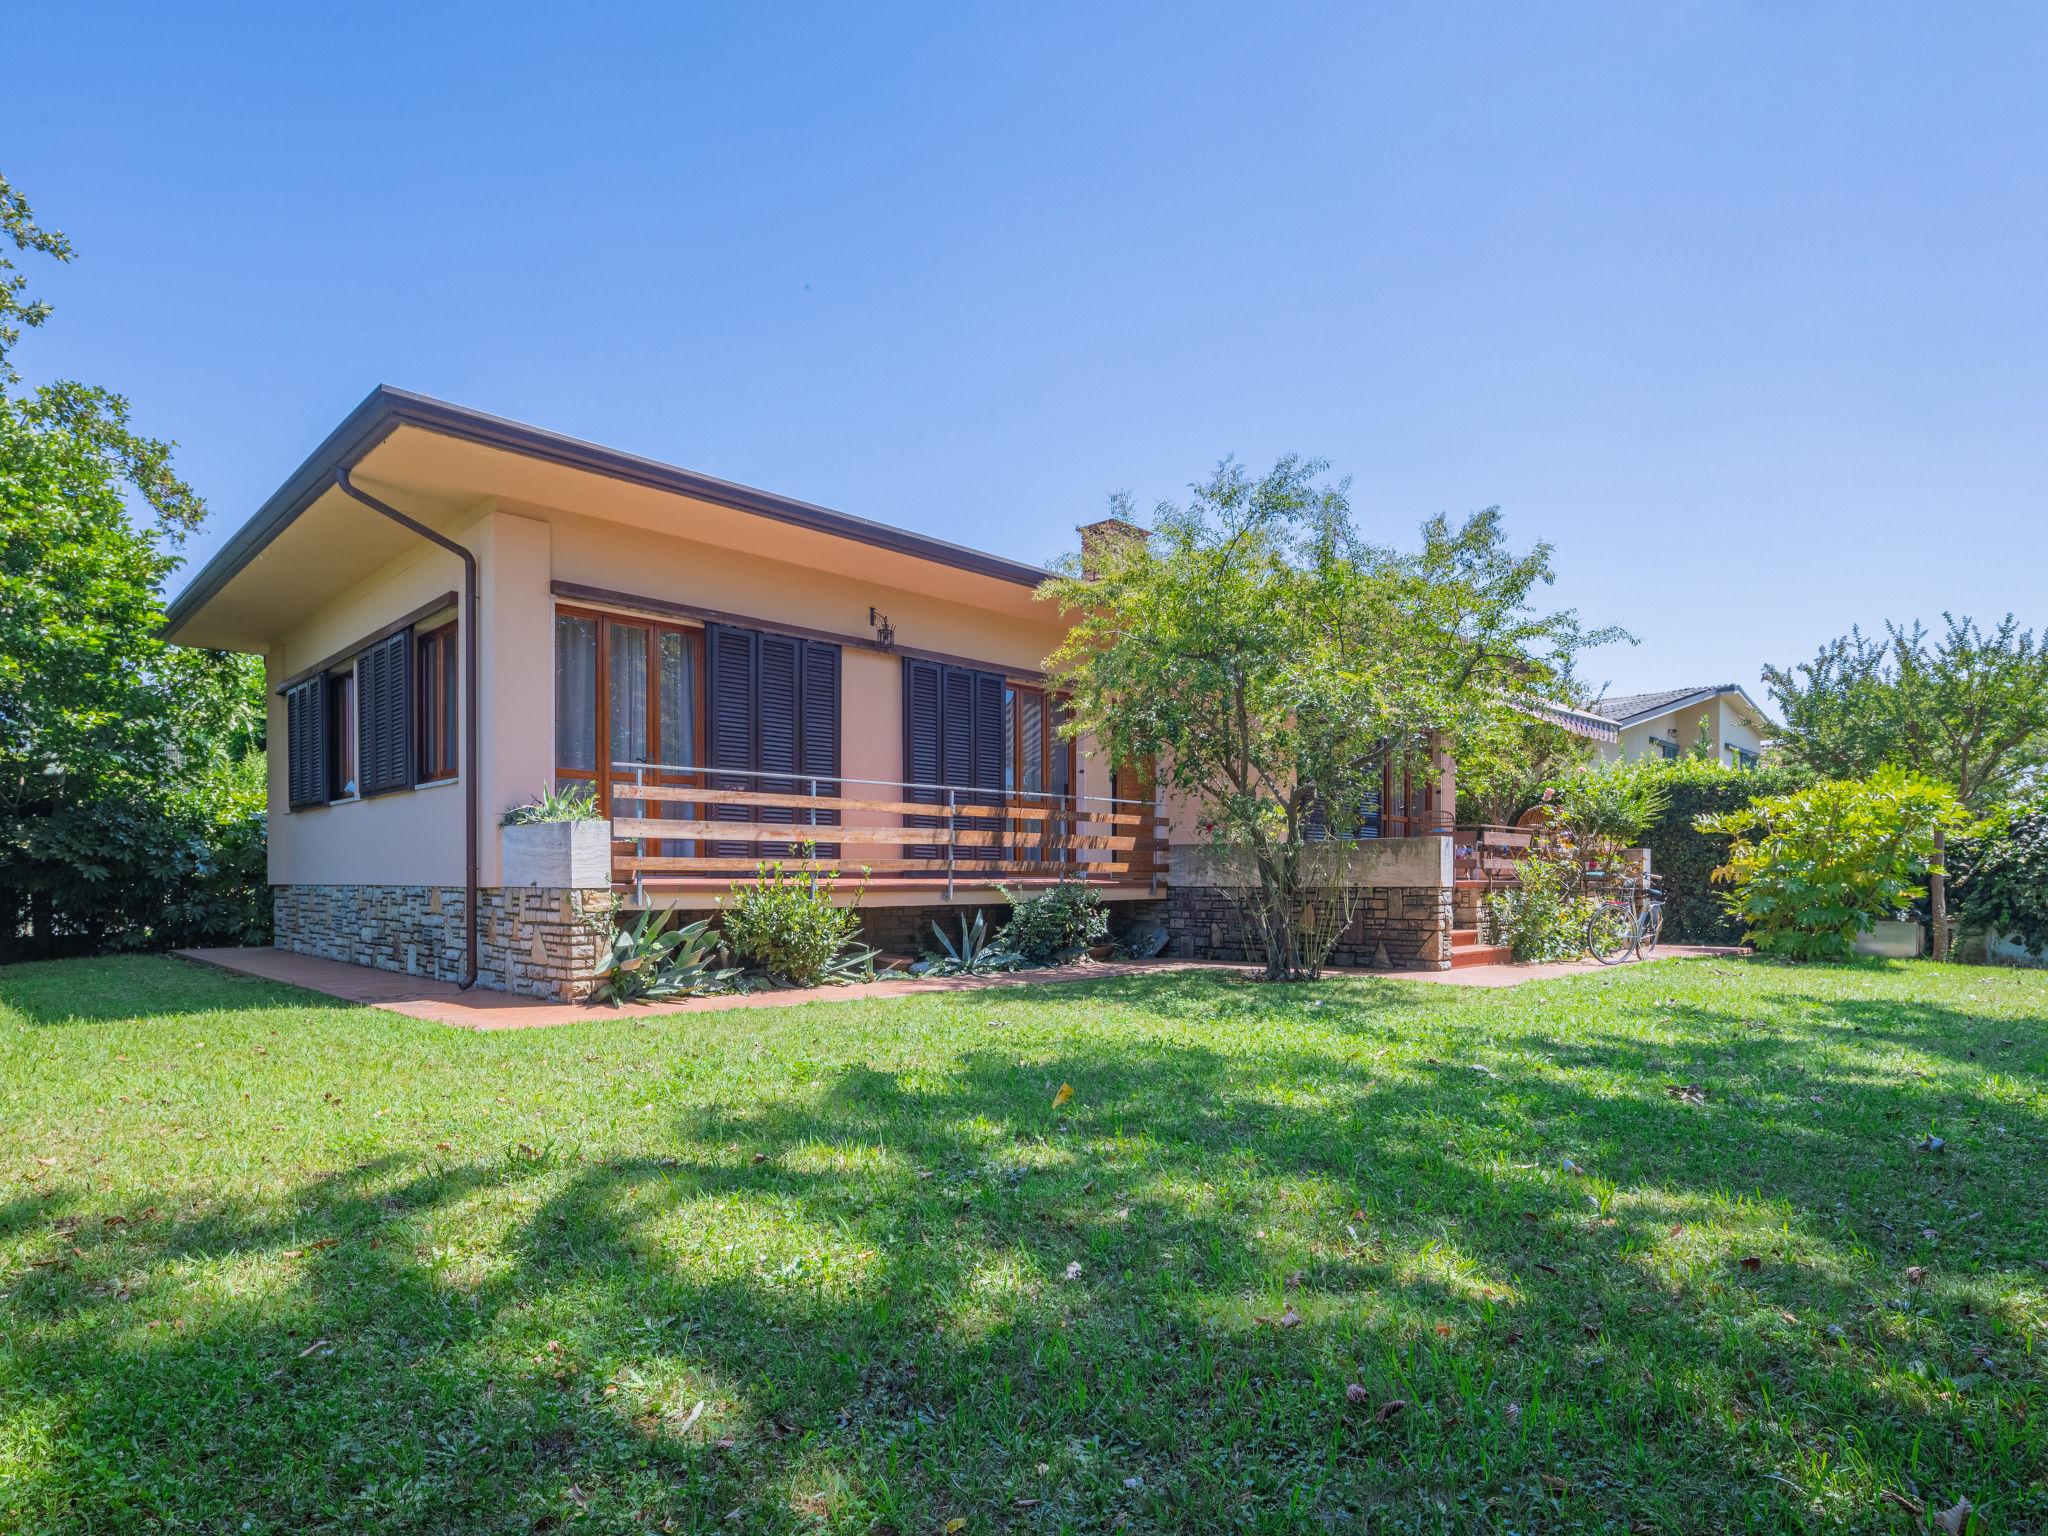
(1405,927)
(534,941)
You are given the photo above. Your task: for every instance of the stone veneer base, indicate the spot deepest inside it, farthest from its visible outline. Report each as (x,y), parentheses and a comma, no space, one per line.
(534,941)
(1412,924)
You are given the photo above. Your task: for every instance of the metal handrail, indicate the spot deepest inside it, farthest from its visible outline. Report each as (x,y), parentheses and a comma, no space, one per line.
(840,778)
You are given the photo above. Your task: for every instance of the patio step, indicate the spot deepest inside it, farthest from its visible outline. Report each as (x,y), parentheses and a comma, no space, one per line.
(1464,936)
(1463,955)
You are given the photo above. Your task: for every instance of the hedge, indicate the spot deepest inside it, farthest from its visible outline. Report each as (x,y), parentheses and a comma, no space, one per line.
(1683,858)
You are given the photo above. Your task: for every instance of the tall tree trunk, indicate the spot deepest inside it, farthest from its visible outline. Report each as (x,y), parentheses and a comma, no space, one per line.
(1937,895)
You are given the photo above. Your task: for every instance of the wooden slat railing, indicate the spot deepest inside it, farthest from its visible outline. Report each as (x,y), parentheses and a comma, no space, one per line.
(1018,837)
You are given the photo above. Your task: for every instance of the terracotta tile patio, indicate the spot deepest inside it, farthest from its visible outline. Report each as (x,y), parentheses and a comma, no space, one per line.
(442,1002)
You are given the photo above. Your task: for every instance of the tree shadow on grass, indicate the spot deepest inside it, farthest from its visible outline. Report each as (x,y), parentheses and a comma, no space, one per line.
(897,1295)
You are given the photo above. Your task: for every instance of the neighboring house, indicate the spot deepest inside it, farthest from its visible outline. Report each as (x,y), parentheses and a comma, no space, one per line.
(1668,724)
(455,610)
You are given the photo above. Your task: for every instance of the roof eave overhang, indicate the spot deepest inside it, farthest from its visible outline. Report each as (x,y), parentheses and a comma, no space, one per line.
(385,410)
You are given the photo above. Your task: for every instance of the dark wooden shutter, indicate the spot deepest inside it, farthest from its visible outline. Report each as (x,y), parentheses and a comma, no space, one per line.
(729,659)
(778,728)
(922,764)
(818,757)
(305,744)
(953,737)
(384,716)
(771,705)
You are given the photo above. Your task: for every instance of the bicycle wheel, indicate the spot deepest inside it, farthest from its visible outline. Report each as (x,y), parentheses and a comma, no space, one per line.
(1610,932)
(1653,927)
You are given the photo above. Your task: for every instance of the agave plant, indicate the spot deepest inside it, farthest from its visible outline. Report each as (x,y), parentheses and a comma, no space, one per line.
(977,953)
(649,961)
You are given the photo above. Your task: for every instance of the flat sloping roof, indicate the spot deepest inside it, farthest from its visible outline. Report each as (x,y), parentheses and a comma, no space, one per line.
(385,410)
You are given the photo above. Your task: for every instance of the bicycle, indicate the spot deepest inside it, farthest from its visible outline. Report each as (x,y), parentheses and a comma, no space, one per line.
(1620,926)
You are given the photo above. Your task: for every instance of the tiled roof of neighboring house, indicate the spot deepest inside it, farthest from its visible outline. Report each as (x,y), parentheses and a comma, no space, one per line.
(1628,708)
(1579,722)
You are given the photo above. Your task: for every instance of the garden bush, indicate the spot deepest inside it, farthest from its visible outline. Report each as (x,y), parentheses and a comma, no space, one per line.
(2006,889)
(1544,916)
(1814,868)
(1051,926)
(786,925)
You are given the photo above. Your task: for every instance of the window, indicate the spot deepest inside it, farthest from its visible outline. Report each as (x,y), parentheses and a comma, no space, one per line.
(340,748)
(440,692)
(1742,757)
(380,721)
(1668,750)
(575,696)
(631,691)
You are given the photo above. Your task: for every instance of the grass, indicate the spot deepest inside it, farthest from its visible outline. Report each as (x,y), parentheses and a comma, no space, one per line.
(269,1264)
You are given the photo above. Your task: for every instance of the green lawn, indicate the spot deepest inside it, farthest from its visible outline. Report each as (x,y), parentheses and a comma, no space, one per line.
(267,1264)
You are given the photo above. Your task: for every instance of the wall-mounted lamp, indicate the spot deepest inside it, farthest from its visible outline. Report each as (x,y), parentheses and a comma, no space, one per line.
(884,630)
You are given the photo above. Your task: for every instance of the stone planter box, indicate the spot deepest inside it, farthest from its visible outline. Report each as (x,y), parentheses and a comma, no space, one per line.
(560,855)
(1892,939)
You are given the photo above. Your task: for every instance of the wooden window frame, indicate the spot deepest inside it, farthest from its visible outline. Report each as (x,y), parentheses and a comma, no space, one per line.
(600,777)
(436,686)
(341,746)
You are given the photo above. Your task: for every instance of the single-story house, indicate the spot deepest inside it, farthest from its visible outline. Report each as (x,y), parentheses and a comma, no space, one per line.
(1668,723)
(456,611)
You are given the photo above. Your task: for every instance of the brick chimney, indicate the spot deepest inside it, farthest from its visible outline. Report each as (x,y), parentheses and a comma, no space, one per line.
(1098,536)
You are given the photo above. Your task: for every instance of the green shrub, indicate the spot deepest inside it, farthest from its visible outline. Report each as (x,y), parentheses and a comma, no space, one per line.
(567,802)
(647,960)
(1609,807)
(787,925)
(2007,888)
(979,953)
(176,864)
(1543,916)
(1053,926)
(1814,868)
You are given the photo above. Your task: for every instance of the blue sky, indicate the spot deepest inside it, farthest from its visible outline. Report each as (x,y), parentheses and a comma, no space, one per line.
(1741,306)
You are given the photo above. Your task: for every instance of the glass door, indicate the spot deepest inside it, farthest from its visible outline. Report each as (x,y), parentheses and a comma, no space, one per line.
(629,708)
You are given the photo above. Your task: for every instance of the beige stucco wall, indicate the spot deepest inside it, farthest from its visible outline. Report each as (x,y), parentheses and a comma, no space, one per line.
(415,837)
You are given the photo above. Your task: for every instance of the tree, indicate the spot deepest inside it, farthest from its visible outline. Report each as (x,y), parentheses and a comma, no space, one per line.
(107,736)
(1267,658)
(1505,763)
(1968,708)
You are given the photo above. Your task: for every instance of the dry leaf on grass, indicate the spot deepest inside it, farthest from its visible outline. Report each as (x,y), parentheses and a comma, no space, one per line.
(1915,1273)
(1356,1395)
(1388,1409)
(1689,1093)
(1290,1318)
(1752,1263)
(1066,1092)
(1956,1521)
(1907,1502)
